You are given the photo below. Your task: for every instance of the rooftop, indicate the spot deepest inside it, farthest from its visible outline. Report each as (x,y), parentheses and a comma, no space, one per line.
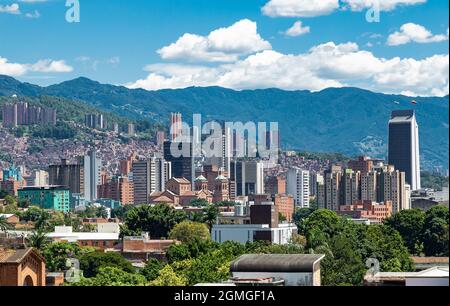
(276,263)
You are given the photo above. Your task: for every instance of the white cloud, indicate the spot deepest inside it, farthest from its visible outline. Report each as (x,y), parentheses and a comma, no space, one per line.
(313,8)
(10,9)
(411,32)
(323,66)
(297,29)
(115,60)
(221,45)
(44,66)
(299,8)
(384,5)
(50,66)
(12,69)
(35,14)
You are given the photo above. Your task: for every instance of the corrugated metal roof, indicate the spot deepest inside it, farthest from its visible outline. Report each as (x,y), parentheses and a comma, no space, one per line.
(276,263)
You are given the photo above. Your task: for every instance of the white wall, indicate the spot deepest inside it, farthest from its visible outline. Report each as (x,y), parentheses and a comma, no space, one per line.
(290,279)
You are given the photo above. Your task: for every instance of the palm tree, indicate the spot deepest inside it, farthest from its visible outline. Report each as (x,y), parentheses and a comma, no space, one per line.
(4,225)
(38,239)
(42,222)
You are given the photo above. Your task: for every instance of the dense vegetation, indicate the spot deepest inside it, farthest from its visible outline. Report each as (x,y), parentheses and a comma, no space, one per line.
(347,247)
(433,181)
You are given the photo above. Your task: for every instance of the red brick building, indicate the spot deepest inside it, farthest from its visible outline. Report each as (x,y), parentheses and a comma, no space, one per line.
(375,212)
(285,205)
(22,267)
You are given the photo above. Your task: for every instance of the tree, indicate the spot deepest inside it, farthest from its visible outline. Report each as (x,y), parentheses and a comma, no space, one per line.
(385,244)
(281,217)
(301,214)
(112,276)
(121,211)
(199,203)
(167,277)
(210,215)
(3,193)
(187,231)
(409,223)
(38,239)
(157,220)
(4,225)
(56,255)
(10,200)
(435,231)
(91,263)
(152,268)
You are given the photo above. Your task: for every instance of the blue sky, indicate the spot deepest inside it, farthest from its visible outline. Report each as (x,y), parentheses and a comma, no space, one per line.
(116,42)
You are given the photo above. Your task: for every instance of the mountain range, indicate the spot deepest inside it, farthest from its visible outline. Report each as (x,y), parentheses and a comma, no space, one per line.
(351,121)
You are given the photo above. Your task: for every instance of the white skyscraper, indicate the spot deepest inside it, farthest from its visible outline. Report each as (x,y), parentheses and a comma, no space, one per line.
(404,146)
(297,181)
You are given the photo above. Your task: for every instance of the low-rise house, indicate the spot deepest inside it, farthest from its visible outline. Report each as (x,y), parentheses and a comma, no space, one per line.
(140,249)
(11,218)
(277,269)
(263,225)
(435,276)
(21,267)
(100,239)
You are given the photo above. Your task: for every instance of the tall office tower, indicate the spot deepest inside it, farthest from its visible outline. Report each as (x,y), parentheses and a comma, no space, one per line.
(298,185)
(391,187)
(92,175)
(68,175)
(9,115)
(247,177)
(369,186)
(176,127)
(329,192)
(182,166)
(149,176)
(350,187)
(363,165)
(404,146)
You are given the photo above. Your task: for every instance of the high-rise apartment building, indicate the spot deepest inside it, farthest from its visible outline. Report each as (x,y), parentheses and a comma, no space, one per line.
(329,193)
(350,187)
(404,146)
(369,186)
(95,121)
(150,176)
(391,187)
(92,175)
(298,185)
(363,165)
(68,175)
(23,114)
